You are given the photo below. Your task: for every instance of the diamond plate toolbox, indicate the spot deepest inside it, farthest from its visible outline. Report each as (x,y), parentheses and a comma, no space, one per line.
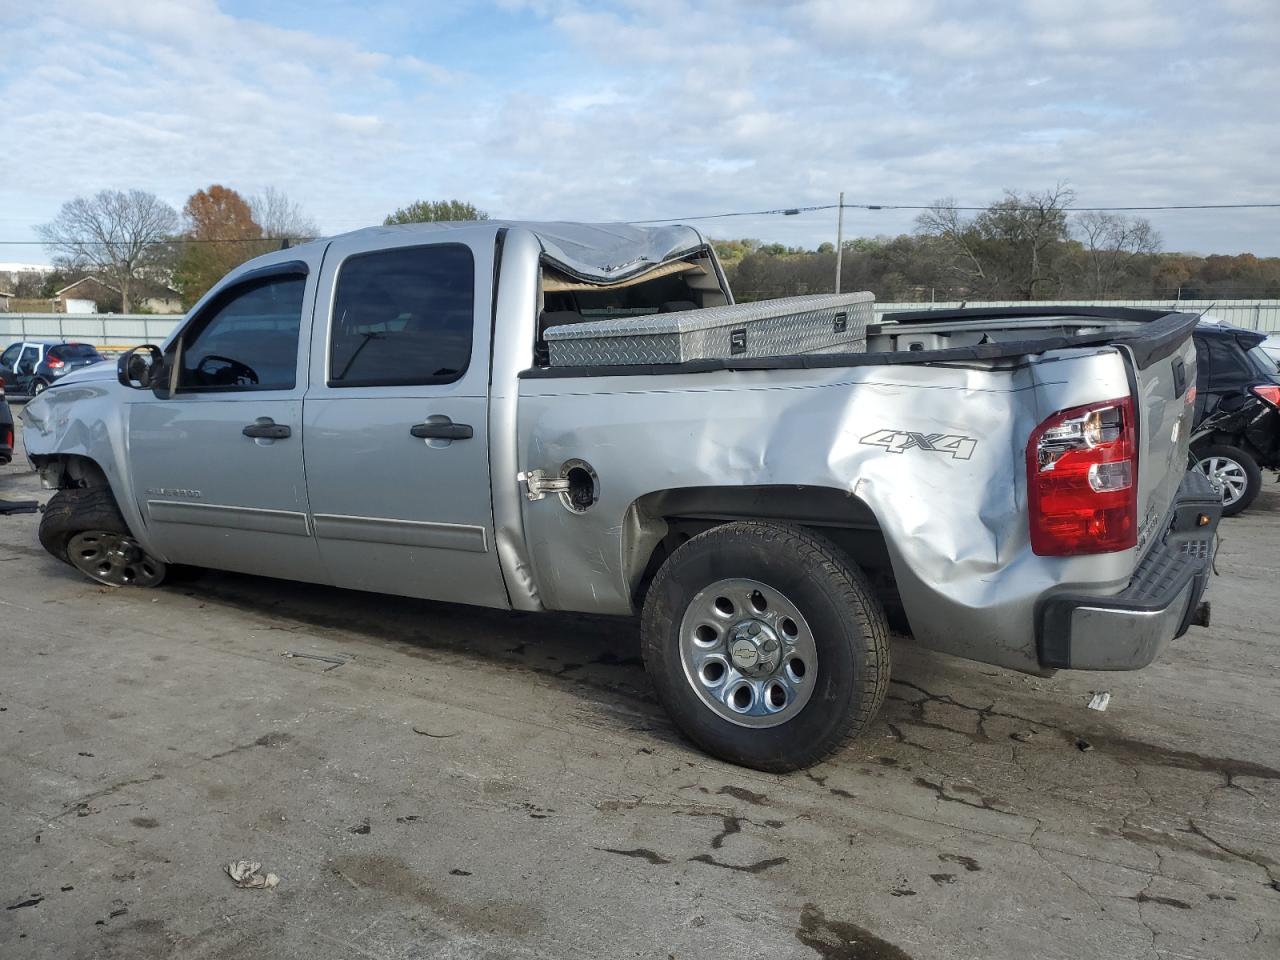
(767,328)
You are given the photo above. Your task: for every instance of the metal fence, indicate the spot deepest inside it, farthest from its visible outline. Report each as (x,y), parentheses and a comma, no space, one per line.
(103,330)
(121,331)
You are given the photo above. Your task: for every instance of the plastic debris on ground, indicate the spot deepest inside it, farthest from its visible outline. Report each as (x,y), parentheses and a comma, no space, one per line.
(246,874)
(1100,700)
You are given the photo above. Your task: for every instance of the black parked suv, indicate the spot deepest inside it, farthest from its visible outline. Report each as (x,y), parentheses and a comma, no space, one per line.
(6,428)
(1237,431)
(29,366)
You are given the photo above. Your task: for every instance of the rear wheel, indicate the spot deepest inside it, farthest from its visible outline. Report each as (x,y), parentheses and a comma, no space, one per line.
(1234,472)
(765,645)
(84,527)
(38,387)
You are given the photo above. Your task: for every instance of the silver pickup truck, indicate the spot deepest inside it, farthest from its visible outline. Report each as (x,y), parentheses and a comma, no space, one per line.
(377,411)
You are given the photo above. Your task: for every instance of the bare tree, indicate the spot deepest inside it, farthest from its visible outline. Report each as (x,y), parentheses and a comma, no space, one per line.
(119,235)
(943,221)
(1114,245)
(1011,249)
(280,217)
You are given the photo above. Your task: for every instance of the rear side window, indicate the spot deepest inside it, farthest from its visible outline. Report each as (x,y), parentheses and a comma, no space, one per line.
(403,317)
(1226,359)
(248,341)
(74,351)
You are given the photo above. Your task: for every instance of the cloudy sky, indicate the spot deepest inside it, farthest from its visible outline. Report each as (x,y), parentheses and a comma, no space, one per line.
(636,109)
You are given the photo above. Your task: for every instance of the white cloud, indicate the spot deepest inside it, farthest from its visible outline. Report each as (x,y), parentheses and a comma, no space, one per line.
(641,108)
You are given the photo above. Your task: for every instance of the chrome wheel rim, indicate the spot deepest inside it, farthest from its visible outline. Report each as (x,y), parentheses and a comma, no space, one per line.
(114,559)
(748,653)
(37,388)
(1227,475)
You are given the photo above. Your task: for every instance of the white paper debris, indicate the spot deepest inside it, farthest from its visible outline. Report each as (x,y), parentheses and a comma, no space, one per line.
(245,874)
(1100,701)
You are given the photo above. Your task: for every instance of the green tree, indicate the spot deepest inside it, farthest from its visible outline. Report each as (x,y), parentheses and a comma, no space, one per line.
(435,211)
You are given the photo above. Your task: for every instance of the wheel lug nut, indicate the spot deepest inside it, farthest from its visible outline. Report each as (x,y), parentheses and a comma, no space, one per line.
(753,629)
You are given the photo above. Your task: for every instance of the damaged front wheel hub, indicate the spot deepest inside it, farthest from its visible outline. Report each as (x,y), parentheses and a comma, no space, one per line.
(115,559)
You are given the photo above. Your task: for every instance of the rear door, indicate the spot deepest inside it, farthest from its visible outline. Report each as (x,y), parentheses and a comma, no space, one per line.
(396,419)
(217,468)
(24,370)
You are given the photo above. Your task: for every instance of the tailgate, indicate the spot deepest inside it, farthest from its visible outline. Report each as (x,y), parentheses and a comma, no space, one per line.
(1165,377)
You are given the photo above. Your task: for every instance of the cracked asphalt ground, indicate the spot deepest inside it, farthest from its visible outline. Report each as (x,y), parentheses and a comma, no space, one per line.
(450,782)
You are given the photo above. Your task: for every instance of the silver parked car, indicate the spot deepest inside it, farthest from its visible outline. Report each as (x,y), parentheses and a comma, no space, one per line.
(379,411)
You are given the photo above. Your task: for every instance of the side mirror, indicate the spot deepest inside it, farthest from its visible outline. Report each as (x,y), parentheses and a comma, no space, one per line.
(137,368)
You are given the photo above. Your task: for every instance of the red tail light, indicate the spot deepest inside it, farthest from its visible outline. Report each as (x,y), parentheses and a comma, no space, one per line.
(7,438)
(1269,394)
(54,363)
(1082,480)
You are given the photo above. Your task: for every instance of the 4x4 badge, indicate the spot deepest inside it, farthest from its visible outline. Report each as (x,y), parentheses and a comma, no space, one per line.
(899,441)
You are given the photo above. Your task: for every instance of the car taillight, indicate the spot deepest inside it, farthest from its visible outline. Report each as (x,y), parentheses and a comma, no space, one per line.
(7,437)
(1269,394)
(1082,480)
(54,363)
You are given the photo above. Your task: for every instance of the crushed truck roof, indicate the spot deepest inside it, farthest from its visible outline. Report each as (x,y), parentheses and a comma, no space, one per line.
(600,252)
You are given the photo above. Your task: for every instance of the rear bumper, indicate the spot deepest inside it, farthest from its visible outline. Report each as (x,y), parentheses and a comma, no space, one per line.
(1127,631)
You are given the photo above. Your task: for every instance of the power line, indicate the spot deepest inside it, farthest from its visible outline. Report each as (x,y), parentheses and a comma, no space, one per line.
(174,241)
(776,212)
(794,211)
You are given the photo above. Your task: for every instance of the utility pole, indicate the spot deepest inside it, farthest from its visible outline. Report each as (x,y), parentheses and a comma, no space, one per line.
(839,239)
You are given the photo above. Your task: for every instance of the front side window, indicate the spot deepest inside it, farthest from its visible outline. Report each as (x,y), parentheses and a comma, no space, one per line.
(403,317)
(248,341)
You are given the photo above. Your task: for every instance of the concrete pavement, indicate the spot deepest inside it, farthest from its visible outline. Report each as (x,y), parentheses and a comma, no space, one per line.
(451,782)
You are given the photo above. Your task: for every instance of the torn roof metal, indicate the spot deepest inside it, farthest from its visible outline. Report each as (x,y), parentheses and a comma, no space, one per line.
(596,252)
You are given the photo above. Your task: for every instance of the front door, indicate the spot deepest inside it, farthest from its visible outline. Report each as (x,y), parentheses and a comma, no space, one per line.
(396,419)
(9,366)
(217,467)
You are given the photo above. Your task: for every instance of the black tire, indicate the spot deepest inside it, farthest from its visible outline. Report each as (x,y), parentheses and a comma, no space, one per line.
(847,622)
(1252,473)
(69,512)
(38,387)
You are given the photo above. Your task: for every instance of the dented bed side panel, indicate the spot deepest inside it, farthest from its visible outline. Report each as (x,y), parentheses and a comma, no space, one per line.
(936,453)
